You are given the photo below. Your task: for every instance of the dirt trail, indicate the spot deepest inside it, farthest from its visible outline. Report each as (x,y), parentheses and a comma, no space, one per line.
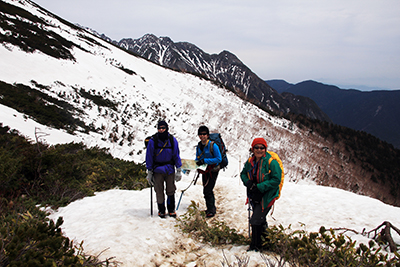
(187,252)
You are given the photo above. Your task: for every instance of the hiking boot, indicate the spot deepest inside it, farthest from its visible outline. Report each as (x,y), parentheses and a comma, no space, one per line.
(256,242)
(161,211)
(171,206)
(253,248)
(210,214)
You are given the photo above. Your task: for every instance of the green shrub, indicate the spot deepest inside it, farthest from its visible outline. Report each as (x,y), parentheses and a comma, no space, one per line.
(28,238)
(31,33)
(324,248)
(98,100)
(287,247)
(57,175)
(41,107)
(32,174)
(194,223)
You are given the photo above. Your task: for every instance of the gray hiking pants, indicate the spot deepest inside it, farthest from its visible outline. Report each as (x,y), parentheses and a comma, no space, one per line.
(159,180)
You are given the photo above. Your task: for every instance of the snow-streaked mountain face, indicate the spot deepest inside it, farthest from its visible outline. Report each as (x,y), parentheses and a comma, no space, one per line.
(224,67)
(142,93)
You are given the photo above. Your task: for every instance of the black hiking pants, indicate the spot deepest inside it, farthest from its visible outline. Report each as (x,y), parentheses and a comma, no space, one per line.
(259,216)
(258,222)
(209,179)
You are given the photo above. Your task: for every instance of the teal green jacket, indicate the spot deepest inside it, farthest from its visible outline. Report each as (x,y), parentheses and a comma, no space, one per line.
(268,177)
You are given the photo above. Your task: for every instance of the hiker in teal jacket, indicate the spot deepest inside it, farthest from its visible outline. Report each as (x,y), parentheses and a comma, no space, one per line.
(209,176)
(262,181)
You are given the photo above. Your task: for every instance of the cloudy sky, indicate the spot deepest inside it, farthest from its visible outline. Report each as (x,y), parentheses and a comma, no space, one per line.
(350,44)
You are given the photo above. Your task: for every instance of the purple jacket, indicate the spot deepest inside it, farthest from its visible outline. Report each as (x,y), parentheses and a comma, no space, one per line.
(165,158)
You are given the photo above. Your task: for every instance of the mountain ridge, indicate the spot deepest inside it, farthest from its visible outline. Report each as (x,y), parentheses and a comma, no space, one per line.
(375,112)
(224,68)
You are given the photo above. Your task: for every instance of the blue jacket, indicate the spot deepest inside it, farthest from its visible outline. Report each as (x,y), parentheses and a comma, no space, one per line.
(209,158)
(163,160)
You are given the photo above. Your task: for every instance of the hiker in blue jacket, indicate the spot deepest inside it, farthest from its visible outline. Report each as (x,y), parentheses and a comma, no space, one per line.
(162,156)
(212,157)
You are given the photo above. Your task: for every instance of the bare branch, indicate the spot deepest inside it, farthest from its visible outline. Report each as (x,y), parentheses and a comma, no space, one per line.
(346,230)
(384,235)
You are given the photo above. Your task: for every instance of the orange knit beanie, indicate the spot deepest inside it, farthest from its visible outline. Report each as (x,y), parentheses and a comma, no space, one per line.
(259,141)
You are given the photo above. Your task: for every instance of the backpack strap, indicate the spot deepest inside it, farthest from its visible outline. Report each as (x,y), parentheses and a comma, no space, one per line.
(202,152)
(269,164)
(212,148)
(155,140)
(171,140)
(166,142)
(272,203)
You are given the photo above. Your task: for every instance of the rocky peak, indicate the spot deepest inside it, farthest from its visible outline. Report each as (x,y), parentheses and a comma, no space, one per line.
(224,68)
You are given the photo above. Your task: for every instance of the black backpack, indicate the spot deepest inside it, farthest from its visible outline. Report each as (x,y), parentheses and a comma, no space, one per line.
(155,140)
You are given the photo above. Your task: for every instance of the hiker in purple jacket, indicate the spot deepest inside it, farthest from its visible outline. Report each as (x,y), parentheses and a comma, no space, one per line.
(162,156)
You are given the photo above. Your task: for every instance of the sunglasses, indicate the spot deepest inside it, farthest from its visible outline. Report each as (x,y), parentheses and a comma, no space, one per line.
(259,147)
(202,134)
(162,128)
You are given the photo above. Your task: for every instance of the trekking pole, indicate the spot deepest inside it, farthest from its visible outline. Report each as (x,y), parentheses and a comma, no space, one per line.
(183,191)
(240,165)
(151,199)
(248,217)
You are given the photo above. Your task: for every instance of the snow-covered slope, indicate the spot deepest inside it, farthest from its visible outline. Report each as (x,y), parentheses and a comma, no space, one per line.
(145,93)
(224,67)
(118,222)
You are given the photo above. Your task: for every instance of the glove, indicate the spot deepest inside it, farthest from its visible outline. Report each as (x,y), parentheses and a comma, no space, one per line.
(150,177)
(250,185)
(178,175)
(200,162)
(256,194)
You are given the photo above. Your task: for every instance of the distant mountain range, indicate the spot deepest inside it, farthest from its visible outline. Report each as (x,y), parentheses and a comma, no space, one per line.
(375,112)
(224,68)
